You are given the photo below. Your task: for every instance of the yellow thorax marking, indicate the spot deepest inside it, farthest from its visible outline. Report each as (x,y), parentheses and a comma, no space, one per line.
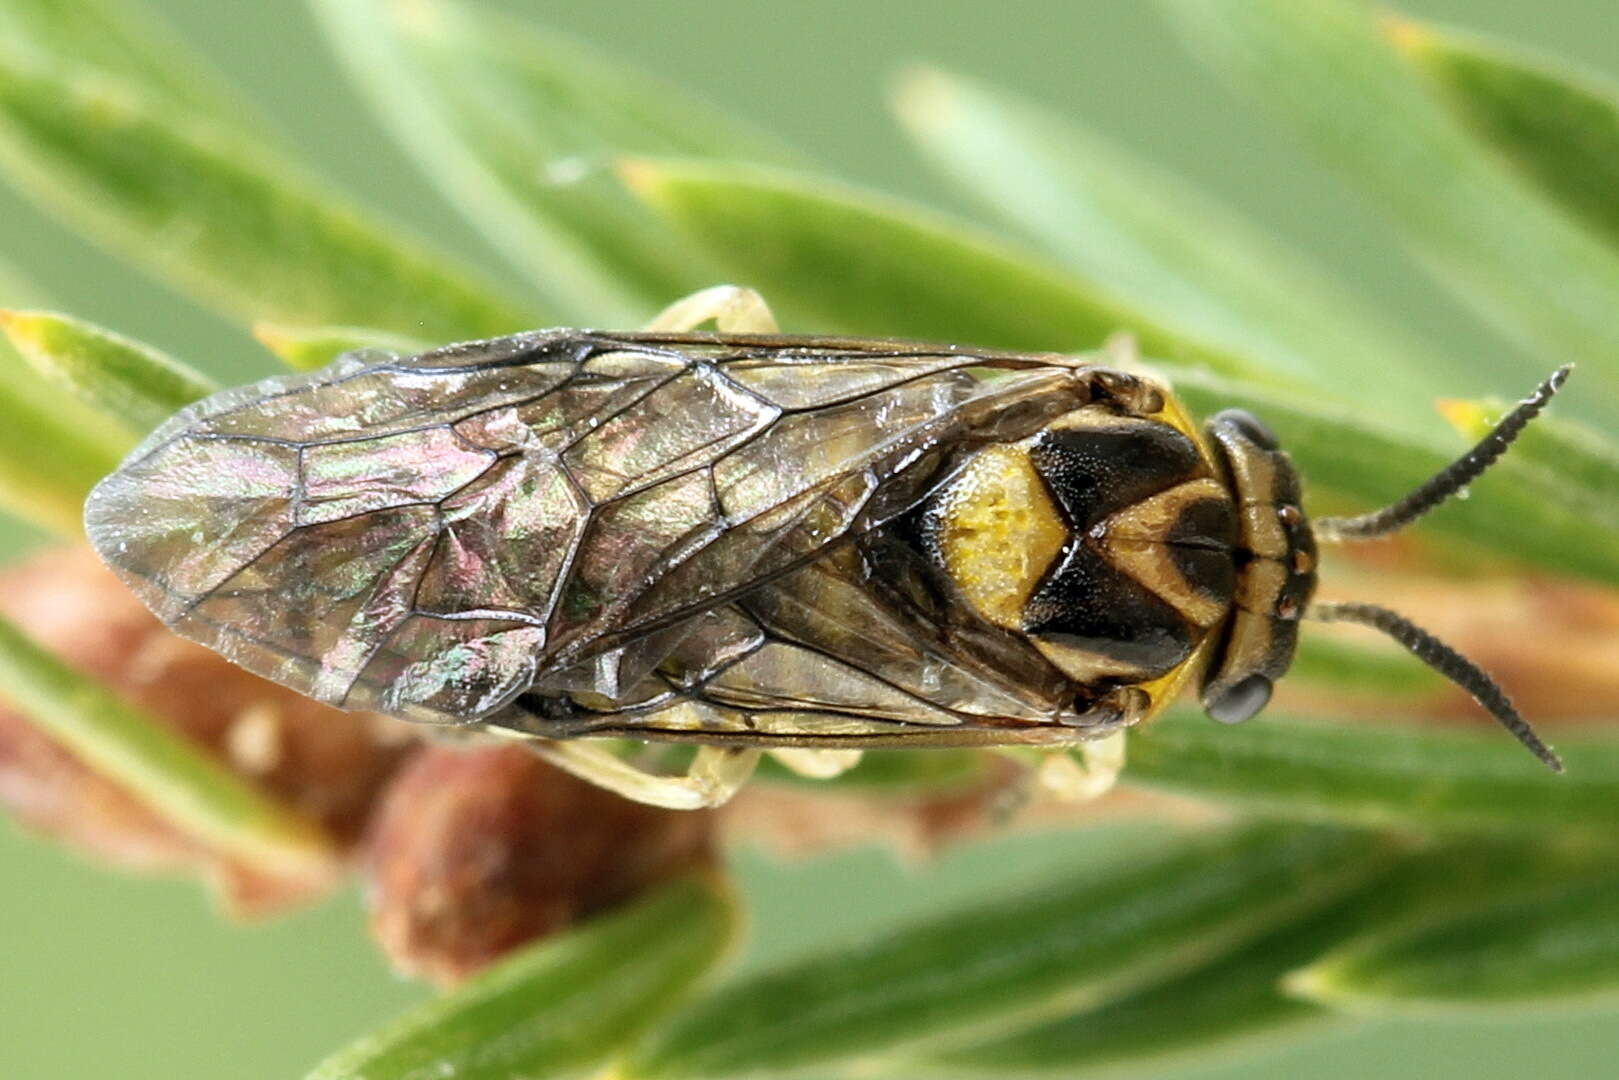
(999,531)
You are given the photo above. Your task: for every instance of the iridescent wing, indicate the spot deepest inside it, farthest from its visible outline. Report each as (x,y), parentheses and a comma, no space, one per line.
(831,654)
(554,513)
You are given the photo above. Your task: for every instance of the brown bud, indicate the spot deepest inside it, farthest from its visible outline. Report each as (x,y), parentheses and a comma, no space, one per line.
(481,849)
(324,763)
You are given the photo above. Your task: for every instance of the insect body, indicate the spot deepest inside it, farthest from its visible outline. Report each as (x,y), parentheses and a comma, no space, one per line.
(742,540)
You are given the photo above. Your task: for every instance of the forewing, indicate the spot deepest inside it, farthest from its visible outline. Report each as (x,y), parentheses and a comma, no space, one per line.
(822,654)
(430,536)
(287,524)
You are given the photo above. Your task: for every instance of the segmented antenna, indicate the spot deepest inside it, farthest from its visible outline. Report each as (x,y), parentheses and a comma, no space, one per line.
(1445,660)
(1449,480)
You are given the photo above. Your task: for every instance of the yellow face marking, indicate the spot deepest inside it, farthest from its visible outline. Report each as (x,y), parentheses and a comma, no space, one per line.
(1261,531)
(1260,586)
(1252,637)
(998,532)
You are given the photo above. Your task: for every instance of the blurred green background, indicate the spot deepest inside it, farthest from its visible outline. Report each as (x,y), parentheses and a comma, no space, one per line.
(105,976)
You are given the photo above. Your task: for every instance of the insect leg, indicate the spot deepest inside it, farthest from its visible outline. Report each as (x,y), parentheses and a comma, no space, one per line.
(713,777)
(1121,350)
(735,310)
(818,764)
(1091,777)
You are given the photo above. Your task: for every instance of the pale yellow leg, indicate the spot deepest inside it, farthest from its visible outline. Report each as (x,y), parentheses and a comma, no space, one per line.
(733,309)
(713,777)
(1091,776)
(817,764)
(1121,350)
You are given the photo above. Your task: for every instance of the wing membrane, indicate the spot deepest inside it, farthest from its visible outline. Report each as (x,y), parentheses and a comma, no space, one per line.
(831,654)
(557,511)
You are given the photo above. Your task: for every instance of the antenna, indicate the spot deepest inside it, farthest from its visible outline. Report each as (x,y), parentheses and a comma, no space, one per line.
(1449,480)
(1448,662)
(1423,645)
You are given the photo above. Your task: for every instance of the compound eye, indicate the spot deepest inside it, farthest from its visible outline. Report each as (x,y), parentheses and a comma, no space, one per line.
(1241,701)
(1251,427)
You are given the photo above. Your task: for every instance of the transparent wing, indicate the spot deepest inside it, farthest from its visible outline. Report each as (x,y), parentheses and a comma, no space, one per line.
(851,649)
(431,536)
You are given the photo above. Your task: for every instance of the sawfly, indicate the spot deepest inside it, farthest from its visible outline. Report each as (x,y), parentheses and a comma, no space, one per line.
(746,541)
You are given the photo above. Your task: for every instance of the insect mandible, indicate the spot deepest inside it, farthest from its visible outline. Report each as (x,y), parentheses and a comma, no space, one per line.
(748,541)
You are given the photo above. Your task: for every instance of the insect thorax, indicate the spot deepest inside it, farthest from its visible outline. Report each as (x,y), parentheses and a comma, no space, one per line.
(1129,554)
